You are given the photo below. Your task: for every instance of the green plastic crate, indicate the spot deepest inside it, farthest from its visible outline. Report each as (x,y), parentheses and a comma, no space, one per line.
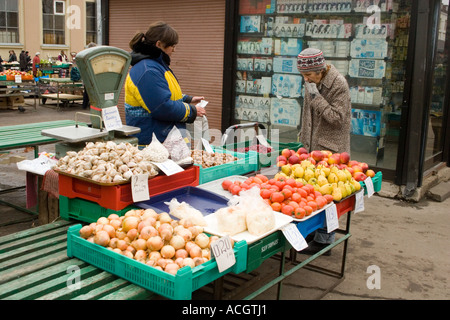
(85,210)
(176,287)
(265,248)
(247,162)
(376,180)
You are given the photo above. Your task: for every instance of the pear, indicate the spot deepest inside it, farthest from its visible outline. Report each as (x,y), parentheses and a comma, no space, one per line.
(337,194)
(348,174)
(321,180)
(334,169)
(326,189)
(286,169)
(312,181)
(349,189)
(343,191)
(308,174)
(355,184)
(326,171)
(299,172)
(332,178)
(341,175)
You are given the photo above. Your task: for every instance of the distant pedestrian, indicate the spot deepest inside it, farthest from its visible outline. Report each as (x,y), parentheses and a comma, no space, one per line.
(36,62)
(12,56)
(23,61)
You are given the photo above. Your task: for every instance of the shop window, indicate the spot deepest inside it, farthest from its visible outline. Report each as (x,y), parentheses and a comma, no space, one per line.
(53,17)
(91,22)
(366,41)
(9,21)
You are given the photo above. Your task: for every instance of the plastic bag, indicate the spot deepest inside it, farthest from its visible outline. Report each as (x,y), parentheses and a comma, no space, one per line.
(231,220)
(177,147)
(155,151)
(184,210)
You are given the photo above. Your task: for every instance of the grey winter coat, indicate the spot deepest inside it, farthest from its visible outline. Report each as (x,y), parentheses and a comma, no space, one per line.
(326,118)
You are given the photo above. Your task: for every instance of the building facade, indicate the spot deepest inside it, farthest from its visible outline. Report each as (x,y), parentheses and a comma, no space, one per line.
(48,26)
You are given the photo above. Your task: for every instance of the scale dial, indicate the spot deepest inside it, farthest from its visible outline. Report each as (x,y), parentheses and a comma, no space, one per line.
(108,63)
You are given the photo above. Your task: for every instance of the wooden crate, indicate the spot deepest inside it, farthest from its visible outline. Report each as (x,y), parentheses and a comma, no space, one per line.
(3,103)
(16,101)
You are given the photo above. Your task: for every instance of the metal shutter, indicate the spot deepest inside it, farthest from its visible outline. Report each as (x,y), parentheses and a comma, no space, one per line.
(198,59)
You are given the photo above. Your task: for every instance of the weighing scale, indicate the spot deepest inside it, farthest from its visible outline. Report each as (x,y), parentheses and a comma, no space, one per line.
(103,70)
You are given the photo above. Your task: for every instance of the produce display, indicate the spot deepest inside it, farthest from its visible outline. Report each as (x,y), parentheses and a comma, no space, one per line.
(207,160)
(152,238)
(108,162)
(256,147)
(11,74)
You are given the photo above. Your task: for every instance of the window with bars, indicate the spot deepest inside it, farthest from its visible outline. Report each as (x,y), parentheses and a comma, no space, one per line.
(53,17)
(9,21)
(91,22)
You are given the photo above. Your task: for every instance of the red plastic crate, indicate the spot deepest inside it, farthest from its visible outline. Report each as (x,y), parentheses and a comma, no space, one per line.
(345,205)
(117,197)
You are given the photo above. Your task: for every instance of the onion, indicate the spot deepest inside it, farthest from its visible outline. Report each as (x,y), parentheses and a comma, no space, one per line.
(189,245)
(202,240)
(206,253)
(150,263)
(212,239)
(93,225)
(102,238)
(147,232)
(167,251)
(113,243)
(98,227)
(181,253)
(120,234)
(161,262)
(113,216)
(129,223)
(177,228)
(90,239)
(188,262)
(132,234)
(122,245)
(132,213)
(155,243)
(158,267)
(166,234)
(86,232)
(186,234)
(195,251)
(154,255)
(198,261)
(143,224)
(127,254)
(131,249)
(179,262)
(195,231)
(117,250)
(177,242)
(110,230)
(186,223)
(140,244)
(165,226)
(164,217)
(172,268)
(149,213)
(140,255)
(115,223)
(102,220)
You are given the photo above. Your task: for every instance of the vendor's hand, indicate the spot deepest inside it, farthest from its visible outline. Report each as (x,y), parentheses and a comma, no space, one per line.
(311,88)
(196,100)
(201,111)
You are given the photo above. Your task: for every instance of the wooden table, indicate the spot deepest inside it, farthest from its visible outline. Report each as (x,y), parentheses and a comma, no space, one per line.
(34,266)
(61,85)
(10,89)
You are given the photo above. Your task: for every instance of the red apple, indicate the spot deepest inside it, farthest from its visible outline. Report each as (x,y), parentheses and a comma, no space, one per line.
(323,163)
(334,159)
(357,168)
(294,159)
(281,163)
(286,152)
(281,158)
(302,151)
(327,153)
(364,166)
(304,156)
(312,160)
(351,163)
(359,176)
(345,157)
(350,169)
(317,155)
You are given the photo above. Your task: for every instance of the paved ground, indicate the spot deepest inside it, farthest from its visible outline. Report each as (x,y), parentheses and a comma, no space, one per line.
(398,250)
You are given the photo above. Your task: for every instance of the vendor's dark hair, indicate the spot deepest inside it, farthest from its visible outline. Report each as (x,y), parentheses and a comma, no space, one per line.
(156,31)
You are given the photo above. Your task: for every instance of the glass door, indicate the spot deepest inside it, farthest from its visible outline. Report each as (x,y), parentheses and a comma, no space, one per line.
(435,129)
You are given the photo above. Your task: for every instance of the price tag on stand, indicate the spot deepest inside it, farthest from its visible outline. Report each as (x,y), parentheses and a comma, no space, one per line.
(223,253)
(369,186)
(139,187)
(18,78)
(207,146)
(332,218)
(169,167)
(294,236)
(359,201)
(111,118)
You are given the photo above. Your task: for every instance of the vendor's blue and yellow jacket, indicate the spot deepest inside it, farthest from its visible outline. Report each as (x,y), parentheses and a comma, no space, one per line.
(153,98)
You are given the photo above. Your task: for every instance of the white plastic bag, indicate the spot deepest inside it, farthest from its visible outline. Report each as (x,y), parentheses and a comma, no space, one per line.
(184,210)
(177,147)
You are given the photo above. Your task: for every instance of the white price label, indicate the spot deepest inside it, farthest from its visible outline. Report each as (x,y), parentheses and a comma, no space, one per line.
(111,118)
(18,78)
(223,253)
(369,186)
(109,96)
(359,201)
(169,167)
(139,187)
(294,237)
(207,146)
(332,218)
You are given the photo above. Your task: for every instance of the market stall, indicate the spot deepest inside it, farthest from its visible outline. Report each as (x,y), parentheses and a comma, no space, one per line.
(14,87)
(65,90)
(173,220)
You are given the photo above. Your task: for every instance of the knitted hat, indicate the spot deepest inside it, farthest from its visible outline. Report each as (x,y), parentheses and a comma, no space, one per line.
(310,60)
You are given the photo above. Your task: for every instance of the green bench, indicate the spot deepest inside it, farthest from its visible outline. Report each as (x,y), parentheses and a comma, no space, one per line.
(34,266)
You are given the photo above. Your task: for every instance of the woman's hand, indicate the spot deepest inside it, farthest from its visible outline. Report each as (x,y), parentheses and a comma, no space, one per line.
(196,100)
(201,111)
